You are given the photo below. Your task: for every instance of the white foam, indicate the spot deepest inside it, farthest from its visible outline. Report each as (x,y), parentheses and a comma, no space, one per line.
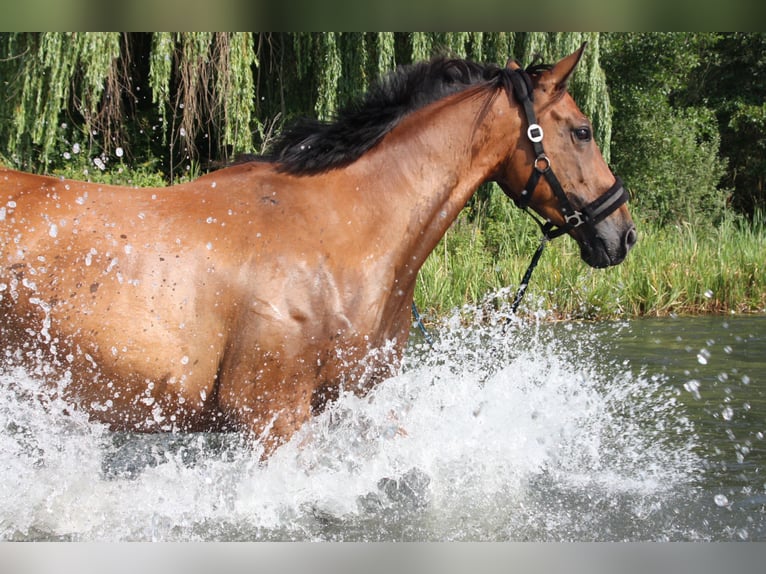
(476,438)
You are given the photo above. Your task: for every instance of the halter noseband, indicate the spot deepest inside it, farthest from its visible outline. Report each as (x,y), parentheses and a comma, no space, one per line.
(591,214)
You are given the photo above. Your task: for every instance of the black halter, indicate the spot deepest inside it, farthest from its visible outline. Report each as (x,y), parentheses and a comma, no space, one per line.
(589,215)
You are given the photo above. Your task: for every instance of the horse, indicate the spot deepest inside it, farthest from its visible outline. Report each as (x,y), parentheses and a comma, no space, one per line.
(246,299)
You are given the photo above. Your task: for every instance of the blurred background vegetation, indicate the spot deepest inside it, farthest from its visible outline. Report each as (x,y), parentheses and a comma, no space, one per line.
(680,116)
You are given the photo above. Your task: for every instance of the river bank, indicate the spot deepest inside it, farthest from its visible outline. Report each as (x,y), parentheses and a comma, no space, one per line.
(682,269)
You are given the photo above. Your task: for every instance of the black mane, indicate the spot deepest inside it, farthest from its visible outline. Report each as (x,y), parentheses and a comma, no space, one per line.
(310,146)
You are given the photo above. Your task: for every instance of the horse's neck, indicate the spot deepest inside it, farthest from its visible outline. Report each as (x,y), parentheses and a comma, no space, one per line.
(428,167)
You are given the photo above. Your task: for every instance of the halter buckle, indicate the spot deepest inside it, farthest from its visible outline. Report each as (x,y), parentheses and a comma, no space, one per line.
(542,163)
(535,133)
(574,220)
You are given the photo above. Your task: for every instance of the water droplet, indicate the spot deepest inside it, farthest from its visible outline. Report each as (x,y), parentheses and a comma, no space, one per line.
(708,294)
(76,148)
(118,152)
(693,387)
(721,500)
(54,230)
(184,360)
(727,413)
(703,356)
(743,534)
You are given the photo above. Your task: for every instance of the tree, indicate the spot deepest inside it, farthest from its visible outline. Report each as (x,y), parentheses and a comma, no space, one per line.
(665,148)
(93,89)
(732,81)
(170,99)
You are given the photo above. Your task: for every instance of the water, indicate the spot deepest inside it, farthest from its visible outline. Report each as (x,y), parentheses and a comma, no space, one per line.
(630,430)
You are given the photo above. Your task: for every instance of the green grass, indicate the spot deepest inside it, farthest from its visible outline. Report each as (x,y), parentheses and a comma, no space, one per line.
(676,269)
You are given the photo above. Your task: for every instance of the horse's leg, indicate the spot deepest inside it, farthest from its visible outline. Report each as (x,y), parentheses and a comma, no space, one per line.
(270,404)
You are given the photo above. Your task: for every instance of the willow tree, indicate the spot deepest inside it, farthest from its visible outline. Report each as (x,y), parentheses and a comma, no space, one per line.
(56,72)
(201,86)
(173,98)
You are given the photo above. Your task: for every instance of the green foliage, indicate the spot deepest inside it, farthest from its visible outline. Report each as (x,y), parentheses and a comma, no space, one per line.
(57,70)
(118,174)
(201,87)
(669,159)
(666,152)
(674,269)
(733,83)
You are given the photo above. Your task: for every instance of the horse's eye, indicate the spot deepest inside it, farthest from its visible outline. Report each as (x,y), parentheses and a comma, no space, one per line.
(582,134)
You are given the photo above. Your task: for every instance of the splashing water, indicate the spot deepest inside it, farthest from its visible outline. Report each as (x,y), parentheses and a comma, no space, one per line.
(512,432)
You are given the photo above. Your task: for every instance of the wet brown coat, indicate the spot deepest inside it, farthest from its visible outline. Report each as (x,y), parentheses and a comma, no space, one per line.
(243,299)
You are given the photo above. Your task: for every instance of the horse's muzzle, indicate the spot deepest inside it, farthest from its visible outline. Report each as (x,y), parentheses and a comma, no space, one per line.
(606,252)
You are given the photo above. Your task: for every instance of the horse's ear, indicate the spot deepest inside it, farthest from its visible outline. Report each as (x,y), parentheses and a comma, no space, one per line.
(562,71)
(512,64)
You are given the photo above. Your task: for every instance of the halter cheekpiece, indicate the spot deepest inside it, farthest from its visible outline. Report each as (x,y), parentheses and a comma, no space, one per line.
(596,211)
(591,214)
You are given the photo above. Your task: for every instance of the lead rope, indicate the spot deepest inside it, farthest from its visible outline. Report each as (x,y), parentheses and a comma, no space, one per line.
(528,275)
(421,326)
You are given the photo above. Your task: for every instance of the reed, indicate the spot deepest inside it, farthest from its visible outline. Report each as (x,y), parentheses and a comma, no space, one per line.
(677,269)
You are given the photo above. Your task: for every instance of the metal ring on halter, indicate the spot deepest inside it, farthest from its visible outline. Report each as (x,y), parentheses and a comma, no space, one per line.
(542,163)
(535,133)
(575,220)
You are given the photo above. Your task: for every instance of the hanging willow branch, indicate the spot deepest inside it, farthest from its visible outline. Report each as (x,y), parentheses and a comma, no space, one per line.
(329,75)
(201,83)
(200,95)
(81,72)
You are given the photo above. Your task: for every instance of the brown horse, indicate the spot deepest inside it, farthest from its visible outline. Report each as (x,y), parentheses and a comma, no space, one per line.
(245,299)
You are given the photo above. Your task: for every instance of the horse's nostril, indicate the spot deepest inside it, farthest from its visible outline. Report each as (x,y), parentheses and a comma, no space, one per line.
(630,238)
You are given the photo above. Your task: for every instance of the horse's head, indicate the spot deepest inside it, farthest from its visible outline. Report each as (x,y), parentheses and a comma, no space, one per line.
(558,170)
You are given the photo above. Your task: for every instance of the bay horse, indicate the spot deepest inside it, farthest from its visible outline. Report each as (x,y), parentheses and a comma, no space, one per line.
(245,299)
